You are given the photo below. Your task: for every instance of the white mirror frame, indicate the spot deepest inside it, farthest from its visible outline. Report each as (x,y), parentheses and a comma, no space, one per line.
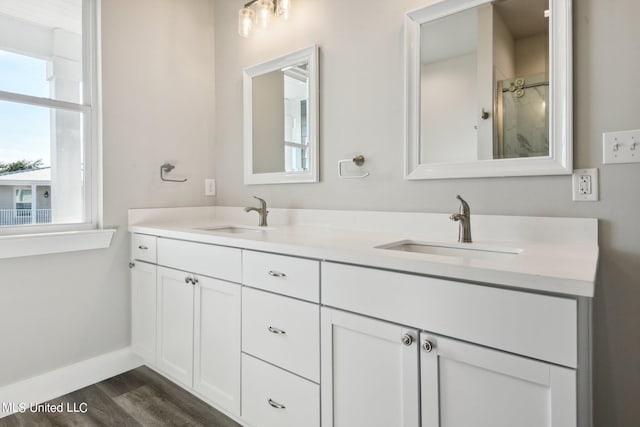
(309,54)
(560,160)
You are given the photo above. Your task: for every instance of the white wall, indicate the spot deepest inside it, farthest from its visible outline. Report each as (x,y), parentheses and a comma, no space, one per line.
(504,49)
(531,55)
(361,81)
(268,122)
(158,67)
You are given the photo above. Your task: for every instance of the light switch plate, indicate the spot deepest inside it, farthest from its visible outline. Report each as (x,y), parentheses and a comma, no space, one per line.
(621,147)
(210,187)
(585,185)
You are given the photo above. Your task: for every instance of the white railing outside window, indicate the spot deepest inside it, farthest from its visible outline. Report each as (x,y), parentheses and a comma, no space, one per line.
(11,217)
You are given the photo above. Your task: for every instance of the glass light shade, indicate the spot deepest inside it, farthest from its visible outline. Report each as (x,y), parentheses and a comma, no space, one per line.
(265,11)
(283,8)
(245,21)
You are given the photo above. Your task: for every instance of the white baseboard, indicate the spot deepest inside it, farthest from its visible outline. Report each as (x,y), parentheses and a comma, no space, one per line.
(65,380)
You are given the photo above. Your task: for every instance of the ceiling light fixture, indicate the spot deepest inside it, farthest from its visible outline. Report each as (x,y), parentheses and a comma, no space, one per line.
(261,16)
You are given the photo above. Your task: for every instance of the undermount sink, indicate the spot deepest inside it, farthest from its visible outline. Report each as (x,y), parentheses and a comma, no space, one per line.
(471,250)
(235,229)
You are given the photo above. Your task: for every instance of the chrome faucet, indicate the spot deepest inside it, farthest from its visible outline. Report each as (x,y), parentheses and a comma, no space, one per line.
(464,217)
(262,211)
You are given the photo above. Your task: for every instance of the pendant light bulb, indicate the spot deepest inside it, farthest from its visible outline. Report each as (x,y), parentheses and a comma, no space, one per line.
(245,21)
(283,8)
(265,11)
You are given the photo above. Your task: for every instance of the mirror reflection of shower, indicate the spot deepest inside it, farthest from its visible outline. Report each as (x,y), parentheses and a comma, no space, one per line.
(521,79)
(523,124)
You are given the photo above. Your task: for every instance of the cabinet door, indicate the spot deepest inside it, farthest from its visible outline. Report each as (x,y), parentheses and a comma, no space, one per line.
(143,311)
(217,342)
(467,385)
(369,376)
(175,325)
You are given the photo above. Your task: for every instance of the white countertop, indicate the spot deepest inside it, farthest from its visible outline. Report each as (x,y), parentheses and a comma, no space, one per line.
(547,261)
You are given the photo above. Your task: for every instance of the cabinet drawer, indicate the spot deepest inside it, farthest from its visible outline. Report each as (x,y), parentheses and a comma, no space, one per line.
(143,247)
(209,260)
(539,326)
(272,397)
(296,277)
(282,331)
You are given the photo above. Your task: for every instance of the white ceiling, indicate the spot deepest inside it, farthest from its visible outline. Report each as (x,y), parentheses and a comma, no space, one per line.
(524,18)
(65,14)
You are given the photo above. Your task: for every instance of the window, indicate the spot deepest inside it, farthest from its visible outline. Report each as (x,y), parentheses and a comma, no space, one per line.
(48,115)
(23,198)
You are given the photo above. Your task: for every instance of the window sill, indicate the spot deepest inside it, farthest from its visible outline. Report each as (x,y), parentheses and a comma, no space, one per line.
(51,243)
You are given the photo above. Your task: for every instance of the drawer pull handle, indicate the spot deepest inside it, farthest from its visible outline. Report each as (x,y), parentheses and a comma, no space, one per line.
(276,404)
(143,247)
(276,330)
(276,274)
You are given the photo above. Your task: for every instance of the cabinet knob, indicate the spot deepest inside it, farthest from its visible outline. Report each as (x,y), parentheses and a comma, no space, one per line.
(407,339)
(275,404)
(276,273)
(187,279)
(276,330)
(132,264)
(194,280)
(427,346)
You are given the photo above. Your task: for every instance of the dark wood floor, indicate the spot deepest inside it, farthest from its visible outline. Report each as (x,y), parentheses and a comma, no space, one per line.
(139,397)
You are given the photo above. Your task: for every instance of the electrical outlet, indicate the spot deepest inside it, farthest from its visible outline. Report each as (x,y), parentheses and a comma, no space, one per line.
(585,185)
(621,147)
(210,187)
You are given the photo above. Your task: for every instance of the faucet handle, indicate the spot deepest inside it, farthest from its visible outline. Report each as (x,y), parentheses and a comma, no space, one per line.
(263,204)
(464,206)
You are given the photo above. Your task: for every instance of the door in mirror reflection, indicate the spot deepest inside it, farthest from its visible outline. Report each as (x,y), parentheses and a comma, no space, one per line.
(280,120)
(484,83)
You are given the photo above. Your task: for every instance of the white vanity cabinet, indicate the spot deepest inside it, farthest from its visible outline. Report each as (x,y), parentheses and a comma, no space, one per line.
(374,364)
(143,296)
(199,318)
(369,372)
(468,385)
(186,324)
(198,334)
(216,362)
(284,340)
(374,373)
(143,310)
(280,340)
(175,324)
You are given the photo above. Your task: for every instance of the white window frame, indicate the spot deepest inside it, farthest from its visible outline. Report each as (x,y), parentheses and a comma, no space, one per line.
(88,234)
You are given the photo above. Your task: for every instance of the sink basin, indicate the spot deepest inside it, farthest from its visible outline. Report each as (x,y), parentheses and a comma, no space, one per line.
(467,251)
(235,229)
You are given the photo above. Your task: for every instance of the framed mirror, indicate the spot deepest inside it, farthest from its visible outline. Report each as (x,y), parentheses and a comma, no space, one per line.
(488,89)
(281,119)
